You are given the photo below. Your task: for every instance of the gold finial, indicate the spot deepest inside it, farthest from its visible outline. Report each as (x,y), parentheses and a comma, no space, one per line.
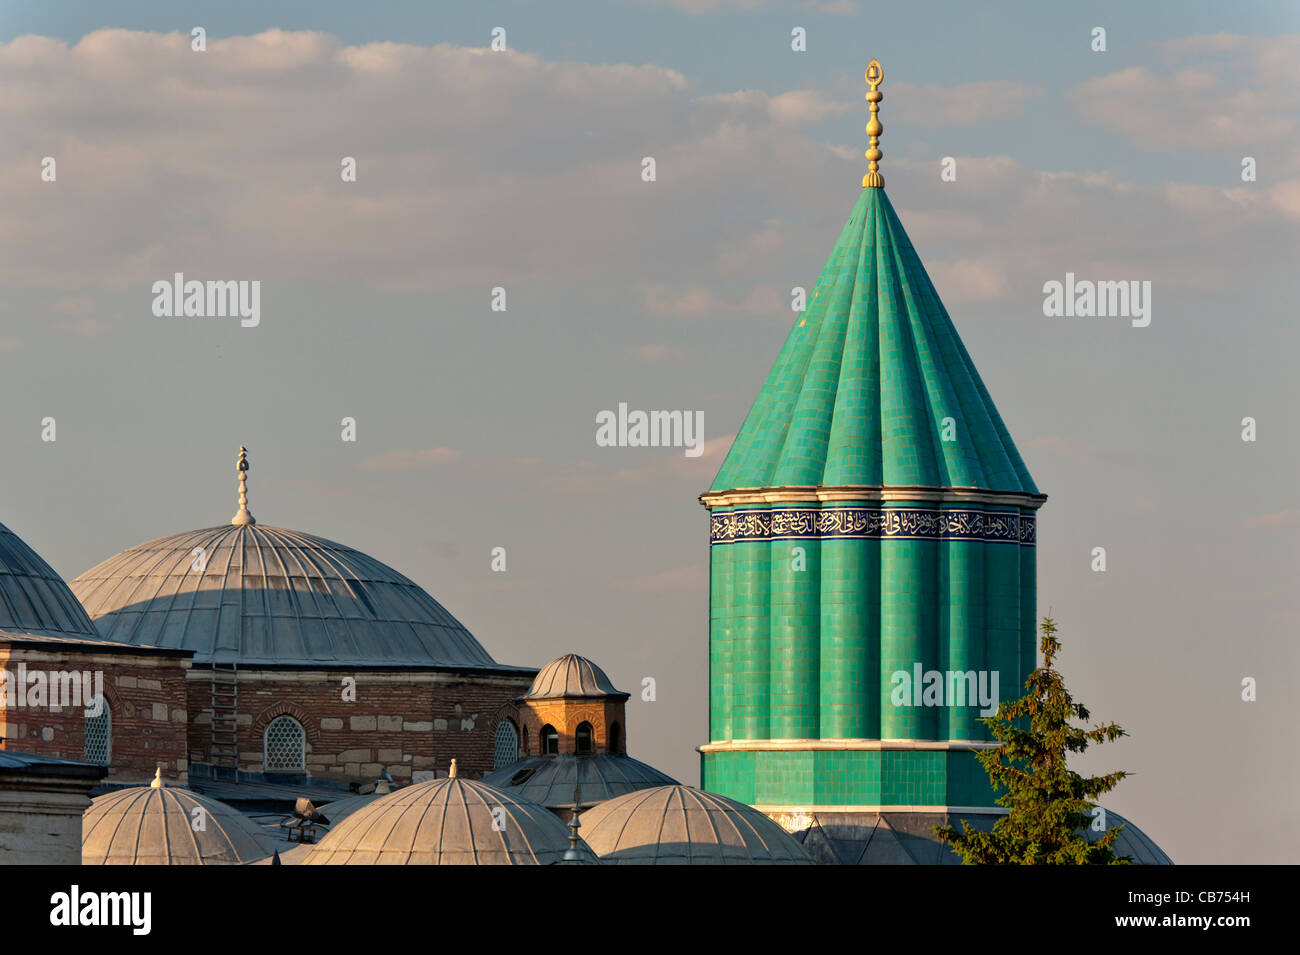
(242,516)
(874,76)
(157,779)
(451,773)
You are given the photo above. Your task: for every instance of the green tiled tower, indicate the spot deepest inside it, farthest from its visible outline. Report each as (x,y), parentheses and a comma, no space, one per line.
(872,519)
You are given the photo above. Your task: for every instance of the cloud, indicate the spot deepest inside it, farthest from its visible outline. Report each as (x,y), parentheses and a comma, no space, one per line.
(478,169)
(964,104)
(1219,92)
(835,8)
(656,353)
(701,302)
(611,472)
(1068,448)
(698,7)
(970,280)
(408,460)
(1275,519)
(473,167)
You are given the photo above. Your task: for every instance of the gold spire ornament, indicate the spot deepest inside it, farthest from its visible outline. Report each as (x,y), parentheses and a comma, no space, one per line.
(874,76)
(243,515)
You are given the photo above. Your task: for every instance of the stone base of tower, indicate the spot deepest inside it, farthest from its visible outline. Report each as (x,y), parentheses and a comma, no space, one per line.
(826,775)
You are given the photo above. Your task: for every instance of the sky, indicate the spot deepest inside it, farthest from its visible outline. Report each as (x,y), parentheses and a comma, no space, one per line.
(522,170)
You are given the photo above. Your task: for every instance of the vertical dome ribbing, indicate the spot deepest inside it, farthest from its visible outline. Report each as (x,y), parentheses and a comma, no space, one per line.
(872,526)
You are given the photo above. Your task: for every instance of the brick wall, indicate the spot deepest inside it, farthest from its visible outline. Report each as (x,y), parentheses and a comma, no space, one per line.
(410,723)
(146,697)
(565,715)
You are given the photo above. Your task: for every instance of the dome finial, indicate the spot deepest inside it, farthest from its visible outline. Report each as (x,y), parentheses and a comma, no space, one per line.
(451,772)
(157,779)
(573,853)
(243,515)
(874,76)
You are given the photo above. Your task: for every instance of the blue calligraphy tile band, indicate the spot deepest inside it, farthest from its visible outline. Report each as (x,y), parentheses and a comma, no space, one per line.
(871,523)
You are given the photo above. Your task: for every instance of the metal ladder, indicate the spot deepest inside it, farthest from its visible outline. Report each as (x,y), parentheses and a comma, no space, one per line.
(224,752)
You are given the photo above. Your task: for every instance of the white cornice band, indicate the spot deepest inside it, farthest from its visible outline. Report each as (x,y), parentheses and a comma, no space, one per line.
(840,745)
(816,811)
(868,492)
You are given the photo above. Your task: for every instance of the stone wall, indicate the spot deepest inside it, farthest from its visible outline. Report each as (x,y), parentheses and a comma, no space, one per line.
(565,715)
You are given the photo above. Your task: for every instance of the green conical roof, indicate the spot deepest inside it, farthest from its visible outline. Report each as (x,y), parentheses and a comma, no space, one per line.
(860,391)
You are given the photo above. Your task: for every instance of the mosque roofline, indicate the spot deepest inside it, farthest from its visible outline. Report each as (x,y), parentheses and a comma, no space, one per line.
(869,492)
(253,663)
(73,641)
(32,764)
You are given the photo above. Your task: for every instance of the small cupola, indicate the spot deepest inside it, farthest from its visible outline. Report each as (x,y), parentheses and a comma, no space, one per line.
(572,708)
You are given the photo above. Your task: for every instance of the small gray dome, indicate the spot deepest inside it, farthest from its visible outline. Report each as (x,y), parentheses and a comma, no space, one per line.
(33,598)
(908,838)
(678,825)
(550,780)
(261,595)
(155,825)
(572,676)
(452,821)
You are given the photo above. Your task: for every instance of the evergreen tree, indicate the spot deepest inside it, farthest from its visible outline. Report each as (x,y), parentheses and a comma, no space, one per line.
(1049,805)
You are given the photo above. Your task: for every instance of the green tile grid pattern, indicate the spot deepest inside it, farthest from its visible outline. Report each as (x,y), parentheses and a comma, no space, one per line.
(848,778)
(857,396)
(867,375)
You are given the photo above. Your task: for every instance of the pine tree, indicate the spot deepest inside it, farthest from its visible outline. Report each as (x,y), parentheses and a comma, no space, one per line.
(1049,805)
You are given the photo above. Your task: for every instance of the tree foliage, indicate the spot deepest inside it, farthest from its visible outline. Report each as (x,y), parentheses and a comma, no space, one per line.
(1049,805)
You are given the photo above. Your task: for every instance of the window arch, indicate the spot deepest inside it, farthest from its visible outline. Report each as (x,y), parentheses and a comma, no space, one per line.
(584,743)
(99,731)
(284,746)
(505,745)
(550,740)
(527,749)
(615,742)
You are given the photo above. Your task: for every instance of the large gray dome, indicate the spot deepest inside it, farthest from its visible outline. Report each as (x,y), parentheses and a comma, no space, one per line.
(260,595)
(34,600)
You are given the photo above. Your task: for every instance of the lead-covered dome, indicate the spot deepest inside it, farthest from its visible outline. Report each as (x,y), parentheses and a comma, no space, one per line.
(255,595)
(572,677)
(451,821)
(551,781)
(162,825)
(34,600)
(678,825)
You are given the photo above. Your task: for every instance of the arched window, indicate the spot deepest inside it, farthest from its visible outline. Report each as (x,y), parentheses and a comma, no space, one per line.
(527,749)
(582,739)
(99,732)
(550,741)
(615,738)
(505,745)
(284,746)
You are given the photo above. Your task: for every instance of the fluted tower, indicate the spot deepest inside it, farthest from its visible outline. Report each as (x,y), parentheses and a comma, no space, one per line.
(873,518)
